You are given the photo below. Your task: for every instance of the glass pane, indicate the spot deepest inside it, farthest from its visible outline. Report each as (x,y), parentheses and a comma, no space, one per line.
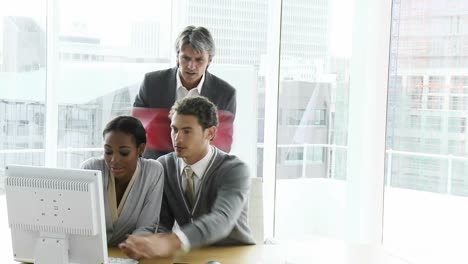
(313,118)
(22,82)
(426,192)
(102,63)
(101,68)
(240,30)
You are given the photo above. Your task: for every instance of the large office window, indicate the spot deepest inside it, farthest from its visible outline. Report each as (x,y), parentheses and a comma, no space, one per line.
(426,182)
(101,60)
(101,64)
(312,118)
(23,83)
(97,65)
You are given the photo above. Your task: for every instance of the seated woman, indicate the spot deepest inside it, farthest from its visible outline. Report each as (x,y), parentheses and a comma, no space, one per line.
(133,186)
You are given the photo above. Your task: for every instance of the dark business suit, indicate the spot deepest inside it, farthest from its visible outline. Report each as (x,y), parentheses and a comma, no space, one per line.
(158,90)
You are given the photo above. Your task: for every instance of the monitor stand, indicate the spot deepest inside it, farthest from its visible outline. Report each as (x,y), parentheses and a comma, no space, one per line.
(51,250)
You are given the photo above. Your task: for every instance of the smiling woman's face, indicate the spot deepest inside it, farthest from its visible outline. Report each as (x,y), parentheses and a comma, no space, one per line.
(121,154)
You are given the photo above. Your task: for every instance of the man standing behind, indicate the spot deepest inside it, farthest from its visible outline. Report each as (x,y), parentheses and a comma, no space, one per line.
(160,89)
(205,190)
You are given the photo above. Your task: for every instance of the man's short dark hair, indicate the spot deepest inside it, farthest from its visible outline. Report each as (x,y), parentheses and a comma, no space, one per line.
(200,107)
(197,38)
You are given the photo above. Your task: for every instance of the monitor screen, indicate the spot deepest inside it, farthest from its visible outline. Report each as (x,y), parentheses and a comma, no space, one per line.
(56,215)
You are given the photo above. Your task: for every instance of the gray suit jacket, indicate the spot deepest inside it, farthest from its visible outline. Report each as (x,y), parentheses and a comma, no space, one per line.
(219,216)
(158,90)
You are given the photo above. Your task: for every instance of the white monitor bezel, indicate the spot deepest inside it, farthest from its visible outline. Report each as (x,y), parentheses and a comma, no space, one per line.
(91,248)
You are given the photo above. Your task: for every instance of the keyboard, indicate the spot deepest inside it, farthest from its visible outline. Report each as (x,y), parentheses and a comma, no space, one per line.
(113,260)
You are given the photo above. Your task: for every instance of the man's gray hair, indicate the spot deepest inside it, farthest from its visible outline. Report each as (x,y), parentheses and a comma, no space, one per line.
(197,38)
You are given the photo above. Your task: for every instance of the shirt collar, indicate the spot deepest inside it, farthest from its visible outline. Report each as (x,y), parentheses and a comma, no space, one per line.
(200,166)
(179,84)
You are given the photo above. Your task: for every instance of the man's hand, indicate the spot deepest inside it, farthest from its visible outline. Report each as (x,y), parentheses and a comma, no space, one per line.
(150,246)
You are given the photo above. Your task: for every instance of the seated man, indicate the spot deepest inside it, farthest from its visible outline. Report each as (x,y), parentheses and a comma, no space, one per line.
(205,189)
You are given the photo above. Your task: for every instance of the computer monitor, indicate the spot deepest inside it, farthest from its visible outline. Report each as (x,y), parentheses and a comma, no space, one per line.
(56,216)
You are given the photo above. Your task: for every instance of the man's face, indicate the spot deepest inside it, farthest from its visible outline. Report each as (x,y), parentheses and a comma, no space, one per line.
(189,139)
(192,66)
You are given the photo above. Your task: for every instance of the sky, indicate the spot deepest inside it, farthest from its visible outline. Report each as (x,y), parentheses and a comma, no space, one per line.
(341,27)
(109,19)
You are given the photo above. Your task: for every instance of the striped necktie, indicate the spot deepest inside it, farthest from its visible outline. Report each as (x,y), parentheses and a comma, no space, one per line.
(189,186)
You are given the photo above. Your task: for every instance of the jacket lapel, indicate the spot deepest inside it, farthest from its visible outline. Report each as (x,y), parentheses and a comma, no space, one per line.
(171,83)
(206,88)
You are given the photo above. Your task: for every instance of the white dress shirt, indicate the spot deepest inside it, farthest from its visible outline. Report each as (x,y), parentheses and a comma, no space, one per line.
(198,169)
(182,92)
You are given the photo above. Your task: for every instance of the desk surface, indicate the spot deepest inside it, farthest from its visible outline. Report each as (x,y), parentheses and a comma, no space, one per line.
(316,250)
(224,255)
(330,252)
(273,254)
